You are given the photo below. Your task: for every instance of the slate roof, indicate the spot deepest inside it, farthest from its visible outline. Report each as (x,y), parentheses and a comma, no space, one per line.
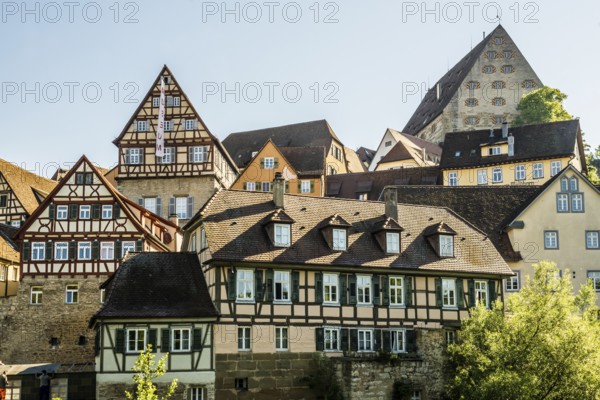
(307,161)
(489,208)
(241,145)
(532,142)
(348,186)
(157,285)
(430,106)
(27,186)
(235,233)
(365,155)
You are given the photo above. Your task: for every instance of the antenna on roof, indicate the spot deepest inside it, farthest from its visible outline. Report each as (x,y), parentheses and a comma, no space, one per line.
(483,35)
(471,42)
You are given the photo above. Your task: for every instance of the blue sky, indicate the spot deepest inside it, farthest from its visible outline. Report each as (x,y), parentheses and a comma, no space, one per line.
(73,73)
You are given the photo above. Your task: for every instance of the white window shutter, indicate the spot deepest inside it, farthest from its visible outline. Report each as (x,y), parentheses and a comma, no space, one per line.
(182,128)
(135,125)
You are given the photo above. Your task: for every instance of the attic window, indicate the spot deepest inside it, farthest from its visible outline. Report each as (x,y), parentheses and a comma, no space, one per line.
(494,151)
(3,200)
(282,235)
(339,239)
(392,240)
(457,153)
(446,246)
(388,143)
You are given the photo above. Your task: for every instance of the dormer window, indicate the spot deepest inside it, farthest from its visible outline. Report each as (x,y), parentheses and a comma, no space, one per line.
(335,232)
(446,246)
(339,239)
(441,238)
(282,235)
(392,240)
(387,233)
(494,151)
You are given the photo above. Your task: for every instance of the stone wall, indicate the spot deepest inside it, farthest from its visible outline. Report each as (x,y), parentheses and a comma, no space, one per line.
(26,329)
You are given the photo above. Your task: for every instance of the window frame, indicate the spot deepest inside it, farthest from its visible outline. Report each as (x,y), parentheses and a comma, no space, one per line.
(587,241)
(563,203)
(497,172)
(62,212)
(241,279)
(547,235)
(109,247)
(555,167)
(36,295)
(142,126)
(443,246)
(151,204)
(135,156)
(126,246)
(278,278)
(305,186)
(244,341)
(394,341)
(595,277)
(181,207)
(38,251)
(495,151)
(364,283)
(284,233)
(269,163)
(107,211)
(520,172)
(449,299)
(341,244)
(72,294)
(331,289)
(61,251)
(392,242)
(199,154)
(251,186)
(482,173)
(197,392)
(580,203)
(365,333)
(329,341)
(396,291)
(512,280)
(128,340)
(282,341)
(182,340)
(85,211)
(168,158)
(538,171)
(453,179)
(482,292)
(86,247)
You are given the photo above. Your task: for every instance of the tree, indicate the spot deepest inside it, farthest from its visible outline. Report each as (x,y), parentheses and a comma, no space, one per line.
(146,374)
(545,346)
(542,105)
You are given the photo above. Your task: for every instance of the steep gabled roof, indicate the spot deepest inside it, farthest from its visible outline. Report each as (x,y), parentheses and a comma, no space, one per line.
(241,145)
(353,161)
(365,155)
(9,250)
(232,220)
(411,148)
(158,285)
(27,186)
(307,161)
(532,142)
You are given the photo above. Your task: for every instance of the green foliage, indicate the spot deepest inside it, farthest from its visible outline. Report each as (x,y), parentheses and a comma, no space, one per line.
(323,381)
(542,105)
(592,159)
(147,372)
(546,346)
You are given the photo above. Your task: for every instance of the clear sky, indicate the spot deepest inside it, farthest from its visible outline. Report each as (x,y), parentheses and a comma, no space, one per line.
(72,73)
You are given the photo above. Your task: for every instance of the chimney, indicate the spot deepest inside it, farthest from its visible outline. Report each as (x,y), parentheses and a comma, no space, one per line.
(390,196)
(278,190)
(504,130)
(174,219)
(511,145)
(438,91)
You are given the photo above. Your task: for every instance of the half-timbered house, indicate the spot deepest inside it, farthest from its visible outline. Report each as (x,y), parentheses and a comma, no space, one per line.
(69,246)
(21,192)
(157,299)
(294,275)
(194,166)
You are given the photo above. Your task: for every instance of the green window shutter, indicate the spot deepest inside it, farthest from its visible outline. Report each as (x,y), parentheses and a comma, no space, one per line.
(95,211)
(197,340)
(245,186)
(152,338)
(385,290)
(352,288)
(72,250)
(345,339)
(97,338)
(270,277)
(320,339)
(26,251)
(354,340)
(172,209)
(375,287)
(190,150)
(142,156)
(312,186)
(165,340)
(51,211)
(471,288)
(377,339)
(120,341)
(139,246)
(408,285)
(319,287)
(276,162)
(295,286)
(299,186)
(460,293)
(190,207)
(411,341)
(159,206)
(117,211)
(259,287)
(231,285)
(387,341)
(140,201)
(262,163)
(438,292)
(287,186)
(343,289)
(49,250)
(493,294)
(127,156)
(95,250)
(73,211)
(118,250)
(258,186)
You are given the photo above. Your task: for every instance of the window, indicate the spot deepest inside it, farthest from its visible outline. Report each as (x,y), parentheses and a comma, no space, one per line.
(450,337)
(491,55)
(168,126)
(591,240)
(190,124)
(508,54)
(203,239)
(446,246)
(3,200)
(181,207)
(282,235)
(199,154)
(508,69)
(512,283)
(61,251)
(331,170)
(85,212)
(244,336)
(38,251)
(551,240)
(473,85)
(481,293)
(269,163)
(169,157)
(365,340)
(196,393)
(457,153)
(471,120)
(173,101)
(555,167)
(499,40)
(448,293)
(528,84)
(62,212)
(363,196)
(498,101)
(156,102)
(416,395)
(72,294)
(127,247)
(573,185)
(577,202)
(497,175)
(107,251)
(266,186)
(102,296)
(330,288)
(363,289)
(398,338)
(488,69)
(36,295)
(453,179)
(142,126)
(396,291)
(562,202)
(241,384)
(595,277)
(250,186)
(339,239)
(107,211)
(538,171)
(135,156)
(136,340)
(337,152)
(84,251)
(482,178)
(281,339)
(181,339)
(332,339)
(245,285)
(520,173)
(388,143)
(498,120)
(282,285)
(305,187)
(392,240)
(498,85)
(471,102)
(494,151)
(150,204)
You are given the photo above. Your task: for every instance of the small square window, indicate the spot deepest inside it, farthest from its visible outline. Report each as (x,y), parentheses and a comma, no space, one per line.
(169,156)
(491,55)
(72,294)
(499,40)
(133,156)
(38,251)
(269,163)
(107,211)
(555,167)
(508,69)
(181,339)
(512,284)
(199,154)
(388,143)
(551,240)
(127,247)
(190,124)
(241,384)
(251,186)
(265,186)
(142,126)
(36,295)
(508,54)
(197,393)
(136,340)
